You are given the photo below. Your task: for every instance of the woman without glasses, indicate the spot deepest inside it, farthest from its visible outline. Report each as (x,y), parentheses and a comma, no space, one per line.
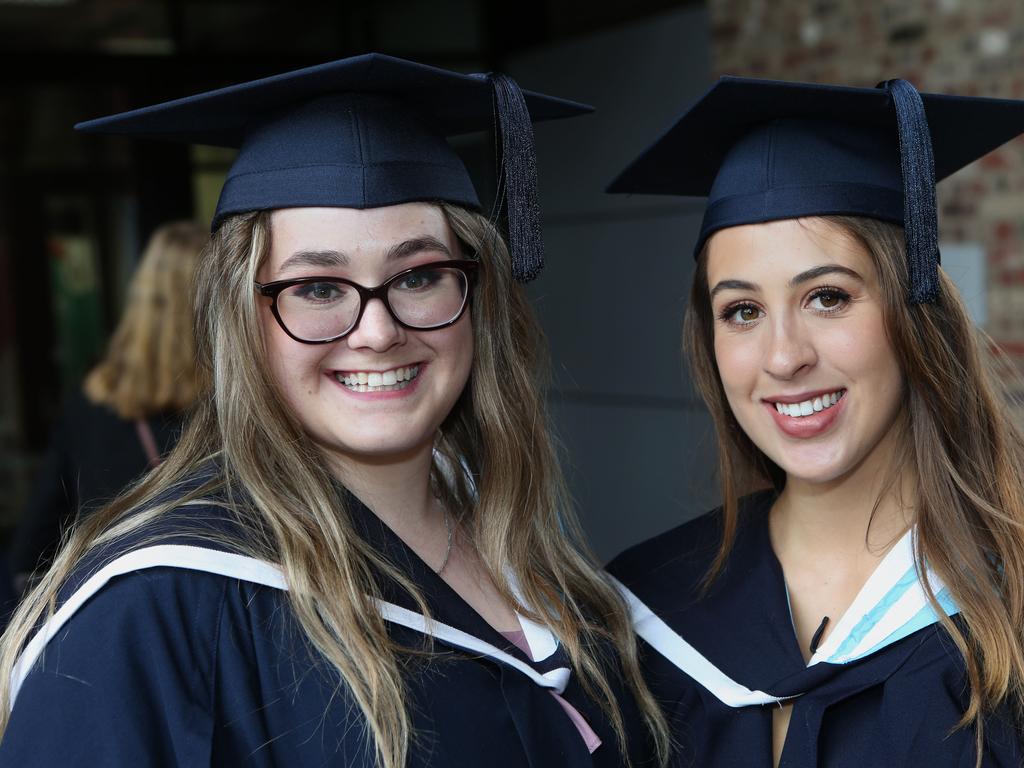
(865,606)
(131,406)
(356,554)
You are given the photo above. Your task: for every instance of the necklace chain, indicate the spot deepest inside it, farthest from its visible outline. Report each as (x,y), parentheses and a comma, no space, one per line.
(448,549)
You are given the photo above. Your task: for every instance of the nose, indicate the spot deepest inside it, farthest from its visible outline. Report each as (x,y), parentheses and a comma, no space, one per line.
(377,329)
(790,349)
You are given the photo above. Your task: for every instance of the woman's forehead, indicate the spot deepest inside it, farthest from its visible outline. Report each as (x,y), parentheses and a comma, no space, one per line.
(781,248)
(354,221)
(354,231)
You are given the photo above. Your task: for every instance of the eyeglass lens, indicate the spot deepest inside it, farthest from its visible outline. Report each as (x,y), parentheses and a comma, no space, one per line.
(423,298)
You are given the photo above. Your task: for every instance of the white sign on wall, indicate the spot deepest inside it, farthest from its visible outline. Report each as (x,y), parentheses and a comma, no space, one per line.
(965,265)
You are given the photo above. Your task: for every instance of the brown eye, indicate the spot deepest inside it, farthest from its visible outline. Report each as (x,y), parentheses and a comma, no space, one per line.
(742,314)
(829,300)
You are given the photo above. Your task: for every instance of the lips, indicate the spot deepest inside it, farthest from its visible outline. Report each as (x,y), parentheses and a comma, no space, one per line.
(806,407)
(806,415)
(378,381)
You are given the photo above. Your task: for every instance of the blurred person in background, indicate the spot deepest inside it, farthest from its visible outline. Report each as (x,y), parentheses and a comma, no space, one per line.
(129,410)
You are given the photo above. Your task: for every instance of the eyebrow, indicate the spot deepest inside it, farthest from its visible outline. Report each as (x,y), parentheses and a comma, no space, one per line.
(805,276)
(825,269)
(314,259)
(330,258)
(415,245)
(738,285)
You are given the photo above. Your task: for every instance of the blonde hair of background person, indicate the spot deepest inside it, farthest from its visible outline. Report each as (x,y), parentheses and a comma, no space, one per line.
(129,410)
(517,518)
(150,363)
(957,442)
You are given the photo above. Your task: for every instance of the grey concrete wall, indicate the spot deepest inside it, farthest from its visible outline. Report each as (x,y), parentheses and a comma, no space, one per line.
(638,443)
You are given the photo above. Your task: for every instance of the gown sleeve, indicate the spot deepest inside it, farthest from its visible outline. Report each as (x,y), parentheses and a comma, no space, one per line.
(911,718)
(127,681)
(925,700)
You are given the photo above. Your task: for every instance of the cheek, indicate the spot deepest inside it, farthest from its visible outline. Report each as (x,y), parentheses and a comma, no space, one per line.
(738,361)
(462,348)
(862,350)
(453,348)
(293,366)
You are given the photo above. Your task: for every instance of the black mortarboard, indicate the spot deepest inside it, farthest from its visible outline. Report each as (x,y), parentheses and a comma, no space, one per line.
(762,150)
(361,132)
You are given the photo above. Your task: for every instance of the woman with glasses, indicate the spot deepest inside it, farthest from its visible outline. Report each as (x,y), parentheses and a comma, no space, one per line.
(858,599)
(360,551)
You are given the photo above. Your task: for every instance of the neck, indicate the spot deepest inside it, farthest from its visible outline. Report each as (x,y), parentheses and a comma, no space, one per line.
(395,488)
(861,514)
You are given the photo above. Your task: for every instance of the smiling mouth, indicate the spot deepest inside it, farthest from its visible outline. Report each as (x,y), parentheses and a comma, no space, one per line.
(378,381)
(808,407)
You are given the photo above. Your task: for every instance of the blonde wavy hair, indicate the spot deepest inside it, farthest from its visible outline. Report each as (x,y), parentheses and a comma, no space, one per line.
(150,362)
(518,516)
(960,443)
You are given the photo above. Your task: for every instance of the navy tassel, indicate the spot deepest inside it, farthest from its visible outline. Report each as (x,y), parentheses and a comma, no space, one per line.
(920,215)
(517,179)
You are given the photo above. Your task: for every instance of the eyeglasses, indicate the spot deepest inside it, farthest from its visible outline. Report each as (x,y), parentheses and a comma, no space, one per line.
(319,310)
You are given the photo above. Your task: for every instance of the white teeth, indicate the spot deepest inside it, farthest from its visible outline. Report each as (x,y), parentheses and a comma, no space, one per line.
(807,407)
(379,381)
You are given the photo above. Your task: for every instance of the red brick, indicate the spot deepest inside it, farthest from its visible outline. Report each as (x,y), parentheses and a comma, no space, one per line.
(994,161)
(726,32)
(792,61)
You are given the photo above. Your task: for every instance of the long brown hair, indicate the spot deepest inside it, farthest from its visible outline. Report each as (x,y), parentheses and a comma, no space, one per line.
(150,363)
(517,517)
(960,443)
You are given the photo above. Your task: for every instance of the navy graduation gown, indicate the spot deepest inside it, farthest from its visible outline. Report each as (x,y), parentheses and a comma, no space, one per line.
(92,455)
(896,704)
(179,666)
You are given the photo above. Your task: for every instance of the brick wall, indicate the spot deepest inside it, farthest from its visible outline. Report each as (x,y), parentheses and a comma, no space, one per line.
(969,47)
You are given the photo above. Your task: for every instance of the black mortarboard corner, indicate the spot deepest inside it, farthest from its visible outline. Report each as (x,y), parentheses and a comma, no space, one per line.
(362,132)
(762,150)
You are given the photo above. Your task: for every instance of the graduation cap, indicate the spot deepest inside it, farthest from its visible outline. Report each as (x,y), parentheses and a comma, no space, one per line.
(361,132)
(762,150)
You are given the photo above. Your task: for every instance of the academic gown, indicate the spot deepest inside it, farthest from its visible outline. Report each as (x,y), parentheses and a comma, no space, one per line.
(886,688)
(92,455)
(188,655)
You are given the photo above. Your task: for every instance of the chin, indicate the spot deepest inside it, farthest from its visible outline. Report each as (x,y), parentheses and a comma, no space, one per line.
(814,477)
(374,448)
(812,467)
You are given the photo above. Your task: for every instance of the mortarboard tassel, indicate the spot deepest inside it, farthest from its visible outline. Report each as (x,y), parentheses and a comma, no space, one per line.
(920,217)
(518,179)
